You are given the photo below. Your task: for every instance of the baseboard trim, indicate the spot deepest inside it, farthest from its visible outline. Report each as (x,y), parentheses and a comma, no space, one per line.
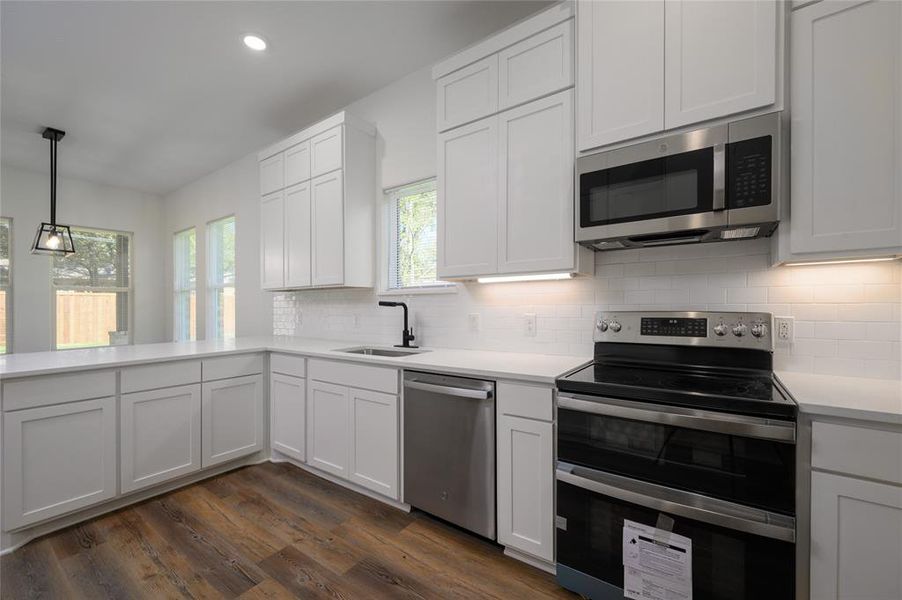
(532,561)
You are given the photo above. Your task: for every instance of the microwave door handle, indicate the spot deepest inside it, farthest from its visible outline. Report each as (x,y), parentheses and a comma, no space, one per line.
(720,177)
(681,503)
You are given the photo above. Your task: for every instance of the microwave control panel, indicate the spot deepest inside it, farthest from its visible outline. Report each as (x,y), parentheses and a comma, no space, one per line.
(749,165)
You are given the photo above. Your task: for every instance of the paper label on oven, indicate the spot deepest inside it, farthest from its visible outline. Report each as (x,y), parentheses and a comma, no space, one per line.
(657,564)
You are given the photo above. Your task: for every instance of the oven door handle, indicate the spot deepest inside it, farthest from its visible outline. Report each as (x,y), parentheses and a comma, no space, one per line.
(676,416)
(678,502)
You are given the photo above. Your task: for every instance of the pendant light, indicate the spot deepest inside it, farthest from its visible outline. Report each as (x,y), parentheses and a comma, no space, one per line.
(53,238)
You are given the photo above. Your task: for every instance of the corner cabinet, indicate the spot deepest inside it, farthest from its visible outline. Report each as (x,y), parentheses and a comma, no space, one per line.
(506,153)
(317,209)
(846,160)
(647,67)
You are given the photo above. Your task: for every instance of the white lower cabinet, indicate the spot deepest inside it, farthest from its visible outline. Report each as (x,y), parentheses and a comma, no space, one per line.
(526,485)
(374,441)
(159,435)
(856,538)
(57,459)
(327,427)
(232,418)
(288,405)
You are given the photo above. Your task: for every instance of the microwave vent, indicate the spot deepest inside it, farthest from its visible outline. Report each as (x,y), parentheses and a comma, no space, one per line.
(739,233)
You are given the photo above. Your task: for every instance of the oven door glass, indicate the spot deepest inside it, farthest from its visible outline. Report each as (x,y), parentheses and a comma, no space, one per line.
(669,186)
(726,564)
(754,472)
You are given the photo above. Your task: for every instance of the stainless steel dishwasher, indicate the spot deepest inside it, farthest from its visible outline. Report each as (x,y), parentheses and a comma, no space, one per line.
(449,449)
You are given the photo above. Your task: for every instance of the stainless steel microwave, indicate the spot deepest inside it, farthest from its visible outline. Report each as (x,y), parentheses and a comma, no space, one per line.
(707,185)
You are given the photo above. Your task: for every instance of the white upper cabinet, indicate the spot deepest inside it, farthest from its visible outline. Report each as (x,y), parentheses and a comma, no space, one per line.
(318,230)
(720,58)
(272,174)
(536,186)
(846,86)
(467,200)
(537,66)
(468,94)
(297,243)
(297,163)
(621,71)
(327,227)
(272,220)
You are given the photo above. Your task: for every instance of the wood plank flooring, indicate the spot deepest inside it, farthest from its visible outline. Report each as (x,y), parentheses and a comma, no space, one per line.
(266,531)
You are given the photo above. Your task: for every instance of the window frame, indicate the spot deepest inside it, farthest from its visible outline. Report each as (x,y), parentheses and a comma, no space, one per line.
(130,290)
(209,323)
(177,291)
(388,235)
(9,291)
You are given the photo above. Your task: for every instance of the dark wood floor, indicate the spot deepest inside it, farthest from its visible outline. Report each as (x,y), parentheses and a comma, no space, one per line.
(266,531)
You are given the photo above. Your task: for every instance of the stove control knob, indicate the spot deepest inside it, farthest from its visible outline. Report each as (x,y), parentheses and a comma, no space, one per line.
(759,330)
(615,326)
(602,326)
(740,330)
(720,329)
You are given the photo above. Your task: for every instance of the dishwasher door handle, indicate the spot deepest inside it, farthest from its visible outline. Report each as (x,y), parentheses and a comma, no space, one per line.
(448,391)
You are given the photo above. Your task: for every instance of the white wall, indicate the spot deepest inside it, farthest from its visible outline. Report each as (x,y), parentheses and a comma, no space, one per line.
(25,197)
(233,190)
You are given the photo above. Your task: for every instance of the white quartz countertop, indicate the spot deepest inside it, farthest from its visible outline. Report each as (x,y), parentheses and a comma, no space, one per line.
(850,397)
(541,368)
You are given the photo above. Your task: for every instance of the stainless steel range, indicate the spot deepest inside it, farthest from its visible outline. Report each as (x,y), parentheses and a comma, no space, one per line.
(679,420)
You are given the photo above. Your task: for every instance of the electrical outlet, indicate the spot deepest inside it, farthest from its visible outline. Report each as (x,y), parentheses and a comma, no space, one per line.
(785,329)
(473,322)
(529,324)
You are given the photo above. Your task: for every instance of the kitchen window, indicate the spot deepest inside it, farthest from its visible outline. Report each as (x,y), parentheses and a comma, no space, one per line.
(184,285)
(6,318)
(221,279)
(92,290)
(410,217)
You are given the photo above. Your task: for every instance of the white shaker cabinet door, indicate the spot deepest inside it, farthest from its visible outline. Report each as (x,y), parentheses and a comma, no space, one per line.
(468,94)
(539,65)
(297,163)
(57,459)
(327,427)
(536,186)
(375,461)
(846,85)
(526,485)
(328,229)
(160,435)
(856,539)
(272,174)
(468,200)
(720,58)
(620,67)
(298,236)
(232,418)
(272,240)
(288,403)
(326,152)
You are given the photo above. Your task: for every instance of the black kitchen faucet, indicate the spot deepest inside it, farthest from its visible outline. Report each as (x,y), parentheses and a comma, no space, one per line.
(407,335)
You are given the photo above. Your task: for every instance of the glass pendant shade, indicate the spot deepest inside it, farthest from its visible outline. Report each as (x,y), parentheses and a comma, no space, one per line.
(55,240)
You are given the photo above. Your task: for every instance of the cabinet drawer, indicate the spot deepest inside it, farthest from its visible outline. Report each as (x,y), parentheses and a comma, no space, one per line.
(857,451)
(232,366)
(326,152)
(288,364)
(31,392)
(365,377)
(537,66)
(149,377)
(272,175)
(530,401)
(468,94)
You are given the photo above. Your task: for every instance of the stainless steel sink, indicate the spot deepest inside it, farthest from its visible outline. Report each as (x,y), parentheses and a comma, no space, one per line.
(375,351)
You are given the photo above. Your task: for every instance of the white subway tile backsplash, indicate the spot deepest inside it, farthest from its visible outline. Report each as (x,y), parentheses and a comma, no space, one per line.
(848,318)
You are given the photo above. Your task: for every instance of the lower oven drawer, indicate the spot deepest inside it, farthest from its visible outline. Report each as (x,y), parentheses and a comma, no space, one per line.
(727,563)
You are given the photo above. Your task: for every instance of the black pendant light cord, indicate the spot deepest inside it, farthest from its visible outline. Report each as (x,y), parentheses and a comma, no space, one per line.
(53,143)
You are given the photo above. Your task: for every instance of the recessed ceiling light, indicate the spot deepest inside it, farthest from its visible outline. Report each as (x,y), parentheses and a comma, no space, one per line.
(255,42)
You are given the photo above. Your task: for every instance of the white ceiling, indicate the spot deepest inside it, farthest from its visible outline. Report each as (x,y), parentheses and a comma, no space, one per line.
(154,95)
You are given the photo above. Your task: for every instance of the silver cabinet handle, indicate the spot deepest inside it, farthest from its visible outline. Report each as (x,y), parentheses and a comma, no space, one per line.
(448,391)
(720,178)
(678,502)
(690,418)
